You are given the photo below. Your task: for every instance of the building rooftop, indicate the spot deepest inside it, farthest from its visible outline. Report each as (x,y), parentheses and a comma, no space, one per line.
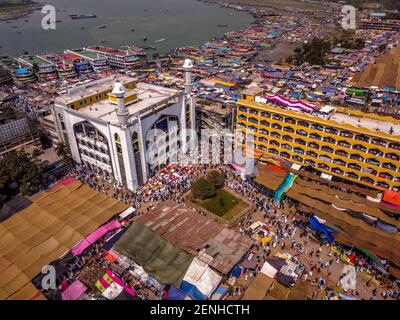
(112,51)
(34,60)
(148,95)
(88,54)
(90,88)
(367,123)
(373,123)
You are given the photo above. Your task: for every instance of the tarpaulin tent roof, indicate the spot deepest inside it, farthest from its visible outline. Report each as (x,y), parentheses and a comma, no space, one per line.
(392,197)
(164,261)
(258,288)
(372,256)
(56,220)
(175,294)
(268,270)
(192,231)
(201,276)
(94,236)
(74,291)
(13,206)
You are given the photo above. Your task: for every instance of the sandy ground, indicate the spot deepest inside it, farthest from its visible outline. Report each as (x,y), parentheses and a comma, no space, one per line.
(281,51)
(384,72)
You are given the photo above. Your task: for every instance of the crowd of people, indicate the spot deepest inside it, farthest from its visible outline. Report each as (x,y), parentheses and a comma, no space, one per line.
(288,233)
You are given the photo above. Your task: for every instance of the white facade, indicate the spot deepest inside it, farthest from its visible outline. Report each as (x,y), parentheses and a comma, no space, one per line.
(111,139)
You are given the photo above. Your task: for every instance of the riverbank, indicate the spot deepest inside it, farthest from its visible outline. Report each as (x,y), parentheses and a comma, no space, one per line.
(10,13)
(316,14)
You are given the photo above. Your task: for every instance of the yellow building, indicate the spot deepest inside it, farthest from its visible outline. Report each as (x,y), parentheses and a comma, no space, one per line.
(363,148)
(95,94)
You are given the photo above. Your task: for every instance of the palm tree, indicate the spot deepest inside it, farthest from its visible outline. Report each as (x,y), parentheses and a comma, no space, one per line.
(62,150)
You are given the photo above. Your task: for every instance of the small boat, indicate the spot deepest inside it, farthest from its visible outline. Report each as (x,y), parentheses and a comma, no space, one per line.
(160,40)
(82,28)
(25,51)
(133,29)
(82,16)
(144,38)
(58,21)
(222,25)
(102,27)
(102,40)
(19,32)
(26,20)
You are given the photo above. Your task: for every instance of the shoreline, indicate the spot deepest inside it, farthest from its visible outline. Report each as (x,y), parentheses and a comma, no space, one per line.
(20,12)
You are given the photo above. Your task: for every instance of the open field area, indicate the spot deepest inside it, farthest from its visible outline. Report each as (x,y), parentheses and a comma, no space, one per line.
(384,72)
(224,204)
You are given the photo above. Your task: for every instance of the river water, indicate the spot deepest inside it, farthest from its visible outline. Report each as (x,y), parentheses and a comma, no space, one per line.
(179,22)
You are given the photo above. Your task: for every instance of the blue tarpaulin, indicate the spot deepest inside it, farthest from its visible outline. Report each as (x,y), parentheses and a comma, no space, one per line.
(237,271)
(175,294)
(192,291)
(317,226)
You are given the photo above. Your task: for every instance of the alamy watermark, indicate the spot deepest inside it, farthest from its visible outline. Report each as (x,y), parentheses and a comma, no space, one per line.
(349,18)
(49,278)
(49,20)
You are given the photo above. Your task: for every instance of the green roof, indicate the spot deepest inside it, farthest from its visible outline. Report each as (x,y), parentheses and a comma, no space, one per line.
(161,259)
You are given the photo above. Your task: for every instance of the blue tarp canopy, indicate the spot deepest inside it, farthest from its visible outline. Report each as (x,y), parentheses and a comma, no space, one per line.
(175,294)
(236,272)
(192,291)
(317,226)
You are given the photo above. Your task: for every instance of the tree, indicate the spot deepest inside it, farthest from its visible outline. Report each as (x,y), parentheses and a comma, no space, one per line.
(18,169)
(216,178)
(382,47)
(202,189)
(62,150)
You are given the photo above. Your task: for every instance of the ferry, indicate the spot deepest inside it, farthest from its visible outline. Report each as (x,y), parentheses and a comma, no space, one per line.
(83,66)
(99,62)
(64,68)
(44,70)
(82,16)
(137,50)
(125,59)
(19,71)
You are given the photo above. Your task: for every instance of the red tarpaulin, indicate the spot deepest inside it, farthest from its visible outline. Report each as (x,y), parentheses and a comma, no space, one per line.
(392,197)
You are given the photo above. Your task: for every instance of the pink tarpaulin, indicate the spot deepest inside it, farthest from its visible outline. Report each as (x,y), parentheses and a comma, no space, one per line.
(298,104)
(65,182)
(238,168)
(74,291)
(118,280)
(94,236)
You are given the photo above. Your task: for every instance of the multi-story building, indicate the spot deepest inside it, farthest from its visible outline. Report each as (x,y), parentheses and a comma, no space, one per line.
(378,24)
(359,147)
(5,77)
(107,125)
(17,132)
(123,59)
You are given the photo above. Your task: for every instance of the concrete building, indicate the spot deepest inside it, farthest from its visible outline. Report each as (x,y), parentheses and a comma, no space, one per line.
(107,124)
(360,147)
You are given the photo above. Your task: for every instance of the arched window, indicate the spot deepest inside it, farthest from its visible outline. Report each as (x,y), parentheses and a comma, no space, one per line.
(135,142)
